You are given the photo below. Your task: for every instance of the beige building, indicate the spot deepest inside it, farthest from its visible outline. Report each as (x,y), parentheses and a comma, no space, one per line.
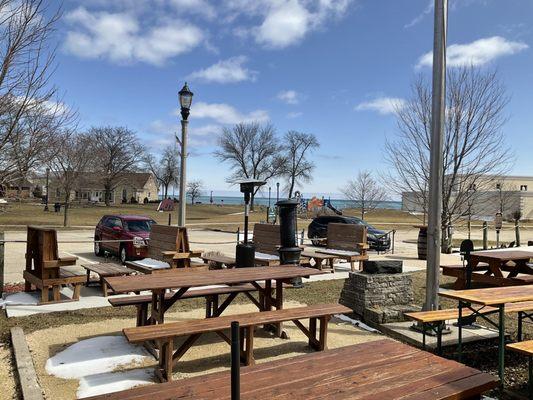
(137,187)
(509,193)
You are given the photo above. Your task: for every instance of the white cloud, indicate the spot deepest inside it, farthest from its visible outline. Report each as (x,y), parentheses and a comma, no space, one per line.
(429,8)
(289,96)
(226,71)
(225,114)
(284,22)
(162,134)
(294,114)
(382,105)
(478,52)
(120,37)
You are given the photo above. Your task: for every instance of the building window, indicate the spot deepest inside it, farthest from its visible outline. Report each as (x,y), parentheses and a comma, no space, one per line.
(523,187)
(498,186)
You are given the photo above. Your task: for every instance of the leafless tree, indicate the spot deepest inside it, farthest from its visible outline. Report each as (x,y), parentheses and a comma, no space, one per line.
(166,168)
(116,151)
(30,110)
(253,152)
(298,169)
(68,158)
(194,190)
(474,147)
(365,192)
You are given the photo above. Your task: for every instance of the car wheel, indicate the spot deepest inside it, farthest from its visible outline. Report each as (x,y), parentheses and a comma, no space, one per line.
(98,248)
(315,241)
(123,254)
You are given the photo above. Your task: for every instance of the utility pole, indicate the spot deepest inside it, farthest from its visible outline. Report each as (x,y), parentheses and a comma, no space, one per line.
(436,169)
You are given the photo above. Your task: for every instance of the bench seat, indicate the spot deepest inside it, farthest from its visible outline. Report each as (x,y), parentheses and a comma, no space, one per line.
(166,333)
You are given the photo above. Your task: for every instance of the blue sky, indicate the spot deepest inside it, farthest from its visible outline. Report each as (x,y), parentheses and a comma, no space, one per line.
(334,68)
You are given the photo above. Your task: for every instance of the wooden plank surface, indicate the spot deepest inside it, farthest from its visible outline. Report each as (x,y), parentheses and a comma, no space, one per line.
(503,254)
(108,269)
(186,278)
(492,296)
(174,329)
(382,369)
(522,347)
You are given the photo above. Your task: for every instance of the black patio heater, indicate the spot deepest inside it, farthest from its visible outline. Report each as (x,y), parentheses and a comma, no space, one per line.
(245,252)
(289,252)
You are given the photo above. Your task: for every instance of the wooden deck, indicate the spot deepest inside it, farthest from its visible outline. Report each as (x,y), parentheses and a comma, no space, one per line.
(382,369)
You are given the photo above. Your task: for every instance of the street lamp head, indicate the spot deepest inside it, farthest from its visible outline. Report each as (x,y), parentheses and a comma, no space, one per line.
(185,96)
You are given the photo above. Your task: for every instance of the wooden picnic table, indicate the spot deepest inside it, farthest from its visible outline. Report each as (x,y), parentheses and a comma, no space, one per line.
(495,297)
(183,280)
(105,270)
(322,261)
(382,369)
(499,261)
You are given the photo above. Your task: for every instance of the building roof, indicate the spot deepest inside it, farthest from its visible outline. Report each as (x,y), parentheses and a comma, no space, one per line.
(93,180)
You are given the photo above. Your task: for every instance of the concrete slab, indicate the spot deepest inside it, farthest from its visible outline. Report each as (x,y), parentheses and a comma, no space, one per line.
(402,331)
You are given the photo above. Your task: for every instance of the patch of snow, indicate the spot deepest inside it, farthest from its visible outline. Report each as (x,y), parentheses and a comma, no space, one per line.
(95,356)
(356,322)
(94,385)
(20,298)
(151,263)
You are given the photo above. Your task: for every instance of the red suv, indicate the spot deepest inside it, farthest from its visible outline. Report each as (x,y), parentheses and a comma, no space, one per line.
(133,229)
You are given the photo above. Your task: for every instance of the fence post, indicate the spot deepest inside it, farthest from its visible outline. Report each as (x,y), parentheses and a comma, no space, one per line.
(2,252)
(485,235)
(517,233)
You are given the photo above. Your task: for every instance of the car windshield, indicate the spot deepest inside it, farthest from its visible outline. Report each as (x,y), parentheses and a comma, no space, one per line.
(139,225)
(357,221)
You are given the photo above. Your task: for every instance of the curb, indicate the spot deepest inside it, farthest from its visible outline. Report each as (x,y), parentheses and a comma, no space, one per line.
(26,371)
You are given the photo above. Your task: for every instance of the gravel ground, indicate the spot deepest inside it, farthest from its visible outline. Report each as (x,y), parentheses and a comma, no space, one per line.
(7,378)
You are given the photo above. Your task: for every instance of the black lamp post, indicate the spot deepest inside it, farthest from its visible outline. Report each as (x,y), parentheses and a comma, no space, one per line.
(245,252)
(47,188)
(185,96)
(277,192)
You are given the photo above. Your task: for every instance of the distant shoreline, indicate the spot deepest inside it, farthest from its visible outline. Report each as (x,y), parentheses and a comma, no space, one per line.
(262,201)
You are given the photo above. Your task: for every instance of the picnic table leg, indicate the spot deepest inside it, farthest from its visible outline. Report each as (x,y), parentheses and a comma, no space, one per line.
(279,306)
(312,331)
(530,380)
(249,346)
(165,359)
(501,349)
(519,326)
(460,331)
(44,294)
(103,283)
(323,335)
(88,278)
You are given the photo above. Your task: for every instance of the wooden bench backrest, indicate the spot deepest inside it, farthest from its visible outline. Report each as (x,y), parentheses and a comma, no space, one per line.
(267,238)
(167,238)
(346,236)
(41,246)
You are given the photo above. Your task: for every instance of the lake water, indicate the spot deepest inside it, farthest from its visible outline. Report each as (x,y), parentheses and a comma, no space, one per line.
(337,203)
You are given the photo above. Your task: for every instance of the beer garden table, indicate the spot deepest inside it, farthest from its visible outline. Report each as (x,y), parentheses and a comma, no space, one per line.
(183,280)
(495,297)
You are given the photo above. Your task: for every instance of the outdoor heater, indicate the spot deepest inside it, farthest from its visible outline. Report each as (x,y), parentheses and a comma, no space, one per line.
(289,252)
(245,252)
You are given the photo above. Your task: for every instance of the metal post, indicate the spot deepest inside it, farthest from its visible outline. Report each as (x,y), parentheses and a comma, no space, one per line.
(517,233)
(47,189)
(169,219)
(277,192)
(485,235)
(1,262)
(235,361)
(435,176)
(501,347)
(183,173)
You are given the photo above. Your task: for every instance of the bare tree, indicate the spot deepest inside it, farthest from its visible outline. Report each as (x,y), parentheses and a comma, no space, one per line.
(30,110)
(116,150)
(298,169)
(365,192)
(194,190)
(166,168)
(68,159)
(252,151)
(474,146)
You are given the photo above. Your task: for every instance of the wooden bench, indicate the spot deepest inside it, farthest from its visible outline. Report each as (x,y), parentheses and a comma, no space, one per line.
(166,333)
(433,320)
(104,270)
(380,370)
(347,242)
(525,348)
(212,295)
(44,266)
(169,244)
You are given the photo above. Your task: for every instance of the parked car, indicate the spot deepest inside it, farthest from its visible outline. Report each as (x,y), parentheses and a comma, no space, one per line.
(133,229)
(318,228)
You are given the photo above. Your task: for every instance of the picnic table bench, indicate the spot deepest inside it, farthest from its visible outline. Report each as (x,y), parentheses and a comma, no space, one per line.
(525,348)
(44,266)
(165,334)
(347,242)
(105,270)
(382,369)
(169,245)
(488,267)
(219,260)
